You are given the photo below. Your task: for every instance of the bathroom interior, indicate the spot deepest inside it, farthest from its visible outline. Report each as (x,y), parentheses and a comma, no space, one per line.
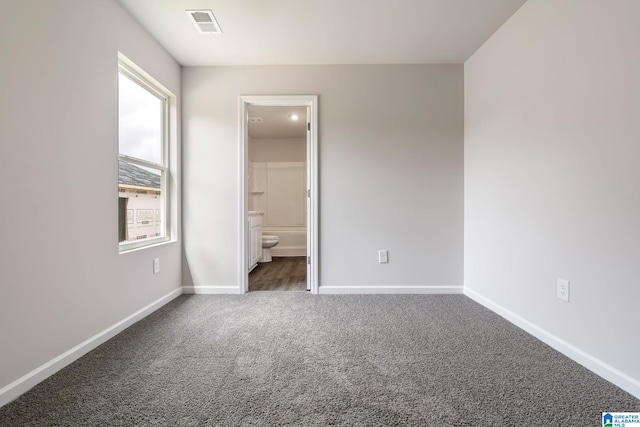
(277,202)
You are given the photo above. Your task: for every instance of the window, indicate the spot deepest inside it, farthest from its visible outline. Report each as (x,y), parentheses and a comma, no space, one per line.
(143,158)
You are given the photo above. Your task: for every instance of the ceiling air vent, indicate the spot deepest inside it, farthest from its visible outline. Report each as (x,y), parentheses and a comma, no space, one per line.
(204,21)
(256,120)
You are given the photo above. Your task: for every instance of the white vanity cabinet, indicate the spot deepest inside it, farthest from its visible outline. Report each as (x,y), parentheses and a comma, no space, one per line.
(255,238)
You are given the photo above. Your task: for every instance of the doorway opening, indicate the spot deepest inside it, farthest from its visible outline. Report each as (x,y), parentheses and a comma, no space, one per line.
(278,183)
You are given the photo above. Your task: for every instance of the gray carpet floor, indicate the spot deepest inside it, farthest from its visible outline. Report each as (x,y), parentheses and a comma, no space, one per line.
(290,358)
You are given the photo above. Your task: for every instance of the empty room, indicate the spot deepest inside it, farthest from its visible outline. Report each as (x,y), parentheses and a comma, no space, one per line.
(449,237)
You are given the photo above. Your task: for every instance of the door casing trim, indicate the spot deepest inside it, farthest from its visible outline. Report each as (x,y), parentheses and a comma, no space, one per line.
(310,101)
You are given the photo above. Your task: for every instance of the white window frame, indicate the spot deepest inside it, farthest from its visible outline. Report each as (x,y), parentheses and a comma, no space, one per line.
(131,71)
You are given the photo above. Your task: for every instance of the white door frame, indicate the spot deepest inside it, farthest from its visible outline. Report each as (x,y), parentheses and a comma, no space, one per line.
(310,101)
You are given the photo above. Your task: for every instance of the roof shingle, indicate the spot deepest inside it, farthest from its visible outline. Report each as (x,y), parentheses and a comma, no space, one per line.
(135,175)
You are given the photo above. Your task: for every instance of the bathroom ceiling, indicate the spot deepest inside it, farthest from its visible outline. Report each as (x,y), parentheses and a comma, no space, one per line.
(285,32)
(277,122)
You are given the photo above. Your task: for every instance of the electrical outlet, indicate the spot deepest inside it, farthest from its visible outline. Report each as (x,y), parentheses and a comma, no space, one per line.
(563,289)
(383,256)
(156,265)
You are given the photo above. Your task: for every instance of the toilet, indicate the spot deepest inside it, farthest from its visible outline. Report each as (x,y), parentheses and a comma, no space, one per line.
(267,243)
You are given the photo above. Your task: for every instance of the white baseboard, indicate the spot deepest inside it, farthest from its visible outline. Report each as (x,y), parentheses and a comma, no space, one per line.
(597,366)
(390,290)
(209,290)
(289,251)
(24,383)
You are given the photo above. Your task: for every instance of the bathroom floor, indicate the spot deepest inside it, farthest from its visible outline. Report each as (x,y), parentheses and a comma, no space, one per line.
(281,274)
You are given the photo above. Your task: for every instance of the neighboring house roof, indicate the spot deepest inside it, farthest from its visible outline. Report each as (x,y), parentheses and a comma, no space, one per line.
(129,174)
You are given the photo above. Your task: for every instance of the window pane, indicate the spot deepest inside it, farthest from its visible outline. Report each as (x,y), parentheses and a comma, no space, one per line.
(143,207)
(140,121)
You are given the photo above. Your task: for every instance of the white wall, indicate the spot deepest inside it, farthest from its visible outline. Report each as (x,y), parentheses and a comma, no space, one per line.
(279,190)
(278,149)
(58,143)
(390,157)
(552,106)
(282,160)
(267,155)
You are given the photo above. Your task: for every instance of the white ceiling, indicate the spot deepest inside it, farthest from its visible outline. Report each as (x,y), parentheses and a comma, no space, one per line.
(278,122)
(285,32)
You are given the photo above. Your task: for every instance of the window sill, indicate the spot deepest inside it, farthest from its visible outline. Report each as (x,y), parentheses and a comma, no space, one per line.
(125,248)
